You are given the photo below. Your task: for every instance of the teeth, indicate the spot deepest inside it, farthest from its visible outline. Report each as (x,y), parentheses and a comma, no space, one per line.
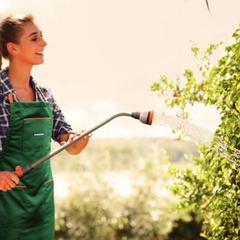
(39,53)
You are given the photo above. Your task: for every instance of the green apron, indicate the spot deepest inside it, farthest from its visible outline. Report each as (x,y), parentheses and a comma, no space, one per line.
(27,211)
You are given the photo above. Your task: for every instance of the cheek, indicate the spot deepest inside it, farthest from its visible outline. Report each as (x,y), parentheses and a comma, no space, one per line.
(30,46)
(28,52)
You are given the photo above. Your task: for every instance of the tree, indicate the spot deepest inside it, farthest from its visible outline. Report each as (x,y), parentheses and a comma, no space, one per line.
(213,187)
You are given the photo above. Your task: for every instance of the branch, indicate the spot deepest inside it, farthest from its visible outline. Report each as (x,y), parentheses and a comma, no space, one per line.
(208,6)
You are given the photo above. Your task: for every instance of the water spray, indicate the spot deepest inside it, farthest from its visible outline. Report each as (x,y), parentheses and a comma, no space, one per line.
(194,132)
(197,134)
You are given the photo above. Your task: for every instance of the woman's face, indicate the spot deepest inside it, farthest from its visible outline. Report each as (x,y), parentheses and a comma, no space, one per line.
(31,46)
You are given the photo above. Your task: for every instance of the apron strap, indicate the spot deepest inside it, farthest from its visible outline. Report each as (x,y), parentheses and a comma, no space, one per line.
(10,98)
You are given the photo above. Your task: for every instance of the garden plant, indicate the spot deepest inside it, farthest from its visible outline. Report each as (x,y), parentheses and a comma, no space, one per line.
(212,187)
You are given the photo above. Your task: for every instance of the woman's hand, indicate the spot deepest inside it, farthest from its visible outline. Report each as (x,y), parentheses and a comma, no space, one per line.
(78,146)
(8,180)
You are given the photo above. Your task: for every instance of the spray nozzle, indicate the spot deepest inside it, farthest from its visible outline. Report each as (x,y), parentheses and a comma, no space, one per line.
(144,117)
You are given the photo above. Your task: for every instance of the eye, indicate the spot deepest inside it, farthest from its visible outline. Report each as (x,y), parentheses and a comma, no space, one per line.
(37,37)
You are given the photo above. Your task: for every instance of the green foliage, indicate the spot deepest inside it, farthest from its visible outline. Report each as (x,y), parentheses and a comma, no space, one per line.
(187,229)
(213,187)
(86,213)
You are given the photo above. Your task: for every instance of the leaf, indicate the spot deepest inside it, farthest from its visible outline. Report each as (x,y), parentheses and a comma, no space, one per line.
(237,105)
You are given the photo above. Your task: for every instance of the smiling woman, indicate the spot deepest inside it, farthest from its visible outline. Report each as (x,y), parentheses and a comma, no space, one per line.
(24,47)
(29,119)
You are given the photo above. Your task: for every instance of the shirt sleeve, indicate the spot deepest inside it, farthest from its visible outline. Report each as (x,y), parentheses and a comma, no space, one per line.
(60,124)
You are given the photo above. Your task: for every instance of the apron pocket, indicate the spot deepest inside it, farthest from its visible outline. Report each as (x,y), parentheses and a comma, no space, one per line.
(40,206)
(37,134)
(13,208)
(19,208)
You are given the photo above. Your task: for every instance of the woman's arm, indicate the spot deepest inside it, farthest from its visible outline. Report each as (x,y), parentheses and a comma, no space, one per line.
(62,130)
(78,146)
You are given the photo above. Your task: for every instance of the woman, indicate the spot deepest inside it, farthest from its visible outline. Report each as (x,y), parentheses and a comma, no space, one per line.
(29,119)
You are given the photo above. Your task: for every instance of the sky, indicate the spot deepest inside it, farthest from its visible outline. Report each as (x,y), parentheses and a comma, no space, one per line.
(103,56)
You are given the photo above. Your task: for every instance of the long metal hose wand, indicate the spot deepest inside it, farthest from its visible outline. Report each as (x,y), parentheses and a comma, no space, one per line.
(145,117)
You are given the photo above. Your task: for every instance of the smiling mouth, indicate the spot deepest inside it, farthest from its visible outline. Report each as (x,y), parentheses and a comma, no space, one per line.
(39,53)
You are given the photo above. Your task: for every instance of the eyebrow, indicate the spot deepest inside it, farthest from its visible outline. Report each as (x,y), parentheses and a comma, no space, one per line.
(33,33)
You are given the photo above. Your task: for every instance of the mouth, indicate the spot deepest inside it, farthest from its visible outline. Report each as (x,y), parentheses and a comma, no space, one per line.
(39,53)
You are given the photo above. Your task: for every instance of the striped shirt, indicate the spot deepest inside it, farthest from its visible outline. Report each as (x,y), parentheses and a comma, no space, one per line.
(60,124)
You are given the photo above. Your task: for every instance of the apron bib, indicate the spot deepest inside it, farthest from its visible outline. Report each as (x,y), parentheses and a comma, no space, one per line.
(27,211)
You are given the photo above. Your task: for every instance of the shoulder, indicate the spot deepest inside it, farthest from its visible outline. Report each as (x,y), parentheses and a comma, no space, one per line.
(46,92)
(42,92)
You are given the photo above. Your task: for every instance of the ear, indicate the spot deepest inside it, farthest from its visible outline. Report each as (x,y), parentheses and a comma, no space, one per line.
(11,48)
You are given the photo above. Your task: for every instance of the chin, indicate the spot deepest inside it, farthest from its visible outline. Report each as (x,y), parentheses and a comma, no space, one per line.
(39,63)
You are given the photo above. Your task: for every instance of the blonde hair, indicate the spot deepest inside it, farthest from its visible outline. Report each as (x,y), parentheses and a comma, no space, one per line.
(11,29)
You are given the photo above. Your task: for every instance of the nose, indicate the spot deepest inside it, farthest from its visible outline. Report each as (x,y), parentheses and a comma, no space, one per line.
(43,43)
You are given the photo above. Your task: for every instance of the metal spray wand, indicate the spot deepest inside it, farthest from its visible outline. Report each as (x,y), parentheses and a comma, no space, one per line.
(145,117)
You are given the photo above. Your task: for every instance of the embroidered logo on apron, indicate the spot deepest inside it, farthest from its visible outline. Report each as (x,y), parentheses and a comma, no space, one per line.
(39,134)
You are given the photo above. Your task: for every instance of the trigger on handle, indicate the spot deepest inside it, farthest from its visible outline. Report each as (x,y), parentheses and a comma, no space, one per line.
(19,171)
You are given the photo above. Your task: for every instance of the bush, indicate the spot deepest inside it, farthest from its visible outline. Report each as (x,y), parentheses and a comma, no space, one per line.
(96,209)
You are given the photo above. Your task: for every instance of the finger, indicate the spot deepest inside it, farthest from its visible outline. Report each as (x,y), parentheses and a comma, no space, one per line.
(8,186)
(11,183)
(78,134)
(14,178)
(4,189)
(88,135)
(71,137)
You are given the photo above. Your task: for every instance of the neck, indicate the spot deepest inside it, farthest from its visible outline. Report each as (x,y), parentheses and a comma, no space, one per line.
(19,76)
